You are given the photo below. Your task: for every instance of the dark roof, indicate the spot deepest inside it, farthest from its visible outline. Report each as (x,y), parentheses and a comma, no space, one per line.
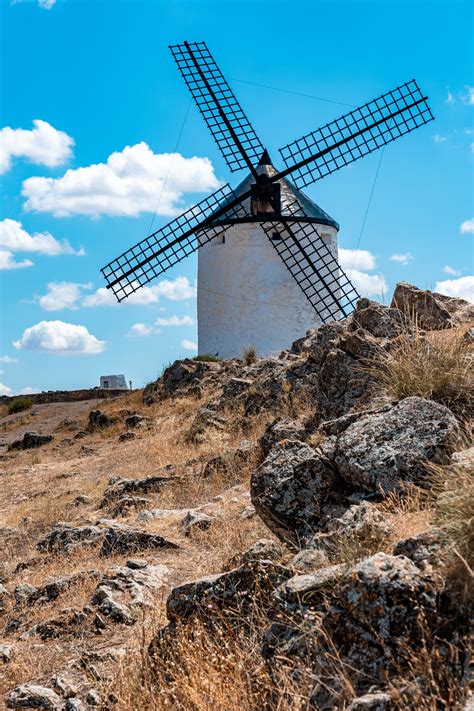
(289,193)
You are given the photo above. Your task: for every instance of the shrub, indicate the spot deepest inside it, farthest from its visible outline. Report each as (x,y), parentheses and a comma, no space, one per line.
(249,355)
(19,404)
(207,358)
(439,368)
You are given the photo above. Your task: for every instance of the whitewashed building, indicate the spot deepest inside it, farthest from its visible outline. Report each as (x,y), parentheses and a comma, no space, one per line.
(246,295)
(113,382)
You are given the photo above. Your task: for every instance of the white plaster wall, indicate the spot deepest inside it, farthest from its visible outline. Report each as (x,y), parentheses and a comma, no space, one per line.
(252,298)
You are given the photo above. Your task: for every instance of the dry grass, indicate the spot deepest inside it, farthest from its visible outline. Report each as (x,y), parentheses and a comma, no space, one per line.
(439,366)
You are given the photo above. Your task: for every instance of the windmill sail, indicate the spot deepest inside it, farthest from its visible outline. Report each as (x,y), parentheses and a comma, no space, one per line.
(313,265)
(169,245)
(230,128)
(356,134)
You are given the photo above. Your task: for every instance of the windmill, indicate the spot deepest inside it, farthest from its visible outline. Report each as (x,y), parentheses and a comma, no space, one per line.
(267,262)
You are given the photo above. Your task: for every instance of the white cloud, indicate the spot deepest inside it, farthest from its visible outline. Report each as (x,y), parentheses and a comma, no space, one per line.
(46,4)
(128,184)
(8,359)
(177,290)
(463,287)
(356,259)
(402,258)
(438,138)
(62,295)
(468,96)
(467,227)
(5,390)
(174,321)
(368,284)
(16,239)
(449,270)
(43,144)
(60,338)
(450,98)
(140,329)
(7,261)
(189,345)
(28,391)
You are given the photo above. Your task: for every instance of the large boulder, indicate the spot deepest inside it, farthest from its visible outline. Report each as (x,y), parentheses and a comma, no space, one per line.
(34,696)
(431,310)
(31,440)
(288,490)
(385,451)
(65,537)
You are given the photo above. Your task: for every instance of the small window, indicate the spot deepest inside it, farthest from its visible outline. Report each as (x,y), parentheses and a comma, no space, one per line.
(106,383)
(276,237)
(219,239)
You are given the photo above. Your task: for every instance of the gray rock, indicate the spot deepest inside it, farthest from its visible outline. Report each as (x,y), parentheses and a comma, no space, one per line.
(289,488)
(74,705)
(279,430)
(379,320)
(234,389)
(309,559)
(6,653)
(119,488)
(263,549)
(65,537)
(64,685)
(468,338)
(120,538)
(385,451)
(31,440)
(124,590)
(309,589)
(126,436)
(235,592)
(377,701)
(136,420)
(98,421)
(248,512)
(195,520)
(362,522)
(432,311)
(34,696)
(424,549)
(93,698)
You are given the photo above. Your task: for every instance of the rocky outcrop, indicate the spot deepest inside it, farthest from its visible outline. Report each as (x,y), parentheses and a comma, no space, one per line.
(98,421)
(432,311)
(34,696)
(118,488)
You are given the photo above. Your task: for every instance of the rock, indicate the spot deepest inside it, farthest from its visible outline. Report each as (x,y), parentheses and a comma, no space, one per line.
(309,589)
(74,705)
(289,488)
(263,549)
(378,701)
(432,311)
(80,435)
(425,549)
(93,698)
(31,440)
(118,488)
(178,377)
(65,537)
(280,429)
(81,499)
(125,503)
(32,695)
(69,622)
(6,653)
(309,559)
(379,320)
(362,522)
(248,512)
(126,436)
(120,538)
(383,602)
(468,338)
(98,421)
(136,420)
(195,520)
(65,686)
(233,389)
(383,452)
(234,592)
(205,419)
(124,590)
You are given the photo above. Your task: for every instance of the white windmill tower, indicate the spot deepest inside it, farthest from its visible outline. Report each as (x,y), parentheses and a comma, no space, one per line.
(268,266)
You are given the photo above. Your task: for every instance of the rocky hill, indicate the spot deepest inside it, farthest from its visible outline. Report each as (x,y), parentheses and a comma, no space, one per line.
(278,533)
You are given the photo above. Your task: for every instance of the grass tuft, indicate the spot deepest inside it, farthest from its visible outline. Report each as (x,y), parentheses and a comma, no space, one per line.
(19,404)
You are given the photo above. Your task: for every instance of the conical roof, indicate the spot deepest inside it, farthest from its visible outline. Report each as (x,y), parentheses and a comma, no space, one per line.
(289,194)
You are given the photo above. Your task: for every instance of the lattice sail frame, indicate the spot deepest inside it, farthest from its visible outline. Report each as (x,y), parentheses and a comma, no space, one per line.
(313,265)
(168,245)
(215,98)
(356,134)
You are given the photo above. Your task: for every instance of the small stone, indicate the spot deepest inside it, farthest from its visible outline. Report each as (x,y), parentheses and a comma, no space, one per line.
(64,685)
(195,520)
(98,421)
(6,653)
(136,564)
(93,698)
(378,701)
(309,559)
(263,549)
(31,440)
(248,512)
(126,436)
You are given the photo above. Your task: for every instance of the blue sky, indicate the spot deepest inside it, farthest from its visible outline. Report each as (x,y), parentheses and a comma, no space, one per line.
(98,79)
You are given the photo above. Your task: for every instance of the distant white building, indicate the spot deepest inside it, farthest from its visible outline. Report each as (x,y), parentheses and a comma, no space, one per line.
(113,382)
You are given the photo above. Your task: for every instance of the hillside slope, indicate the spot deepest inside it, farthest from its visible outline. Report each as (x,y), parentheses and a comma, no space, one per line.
(279,533)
